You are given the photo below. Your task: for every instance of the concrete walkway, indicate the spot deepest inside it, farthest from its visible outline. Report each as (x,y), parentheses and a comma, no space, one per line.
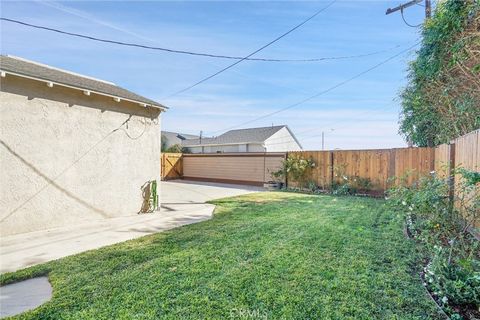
(25,295)
(182,202)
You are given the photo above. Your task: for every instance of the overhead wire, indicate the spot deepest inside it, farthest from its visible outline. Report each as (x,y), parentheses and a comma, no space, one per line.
(406,22)
(233,57)
(209,55)
(321,92)
(254,52)
(329,124)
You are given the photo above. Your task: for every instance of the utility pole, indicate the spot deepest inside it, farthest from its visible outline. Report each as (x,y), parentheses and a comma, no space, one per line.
(428,7)
(323,140)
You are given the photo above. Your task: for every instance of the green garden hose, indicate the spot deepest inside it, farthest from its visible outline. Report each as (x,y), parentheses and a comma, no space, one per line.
(154,195)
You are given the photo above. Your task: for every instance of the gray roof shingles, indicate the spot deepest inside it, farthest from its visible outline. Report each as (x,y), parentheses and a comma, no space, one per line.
(240,136)
(38,71)
(175,137)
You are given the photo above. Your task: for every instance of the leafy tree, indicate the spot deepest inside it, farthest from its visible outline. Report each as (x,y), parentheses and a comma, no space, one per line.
(176,148)
(442,98)
(164,143)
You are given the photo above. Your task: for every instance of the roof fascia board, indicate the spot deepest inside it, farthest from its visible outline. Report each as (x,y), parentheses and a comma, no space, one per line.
(163,108)
(294,137)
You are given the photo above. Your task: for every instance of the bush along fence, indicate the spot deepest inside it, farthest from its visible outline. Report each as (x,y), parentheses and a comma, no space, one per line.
(359,171)
(364,170)
(353,171)
(459,162)
(370,172)
(442,213)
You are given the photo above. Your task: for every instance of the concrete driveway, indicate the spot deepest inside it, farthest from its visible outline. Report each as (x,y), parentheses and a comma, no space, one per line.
(182,202)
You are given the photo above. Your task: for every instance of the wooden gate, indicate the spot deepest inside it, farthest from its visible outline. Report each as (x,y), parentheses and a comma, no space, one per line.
(172,167)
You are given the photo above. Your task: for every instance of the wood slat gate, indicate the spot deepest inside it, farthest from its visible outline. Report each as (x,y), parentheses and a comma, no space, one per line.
(171,166)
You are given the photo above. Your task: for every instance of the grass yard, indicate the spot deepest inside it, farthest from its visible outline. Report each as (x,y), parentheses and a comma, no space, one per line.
(262,256)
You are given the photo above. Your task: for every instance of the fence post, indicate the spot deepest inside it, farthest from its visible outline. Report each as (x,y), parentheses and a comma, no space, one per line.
(451,174)
(391,167)
(286,175)
(162,165)
(331,169)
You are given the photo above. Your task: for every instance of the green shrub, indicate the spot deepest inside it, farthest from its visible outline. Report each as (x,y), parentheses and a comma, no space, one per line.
(442,98)
(453,254)
(342,189)
(344,184)
(455,283)
(295,168)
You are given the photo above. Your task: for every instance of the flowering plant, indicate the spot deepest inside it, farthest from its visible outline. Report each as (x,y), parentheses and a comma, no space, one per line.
(441,223)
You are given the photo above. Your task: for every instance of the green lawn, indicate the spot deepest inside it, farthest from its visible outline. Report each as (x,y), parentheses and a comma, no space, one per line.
(268,255)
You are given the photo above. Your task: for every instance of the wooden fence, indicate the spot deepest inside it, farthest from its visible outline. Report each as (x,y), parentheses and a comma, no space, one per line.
(374,166)
(463,152)
(171,166)
(240,168)
(379,166)
(369,169)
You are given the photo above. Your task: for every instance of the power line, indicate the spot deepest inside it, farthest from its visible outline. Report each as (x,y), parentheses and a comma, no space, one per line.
(201,54)
(321,92)
(341,127)
(254,52)
(406,22)
(329,124)
(402,7)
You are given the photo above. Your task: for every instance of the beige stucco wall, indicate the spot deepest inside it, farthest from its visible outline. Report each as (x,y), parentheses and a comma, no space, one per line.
(62,162)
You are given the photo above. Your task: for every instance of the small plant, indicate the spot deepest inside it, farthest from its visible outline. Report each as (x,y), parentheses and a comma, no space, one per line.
(344,184)
(342,189)
(453,283)
(472,178)
(294,168)
(312,186)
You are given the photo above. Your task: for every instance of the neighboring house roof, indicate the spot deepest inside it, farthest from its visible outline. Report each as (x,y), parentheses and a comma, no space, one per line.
(240,136)
(176,138)
(30,69)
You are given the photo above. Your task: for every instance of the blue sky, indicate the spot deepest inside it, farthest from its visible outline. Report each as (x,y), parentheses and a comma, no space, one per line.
(360,114)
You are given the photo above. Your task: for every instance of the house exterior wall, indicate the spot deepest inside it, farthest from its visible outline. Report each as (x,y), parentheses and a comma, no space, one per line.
(195,149)
(255,147)
(282,141)
(251,147)
(64,162)
(170,139)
